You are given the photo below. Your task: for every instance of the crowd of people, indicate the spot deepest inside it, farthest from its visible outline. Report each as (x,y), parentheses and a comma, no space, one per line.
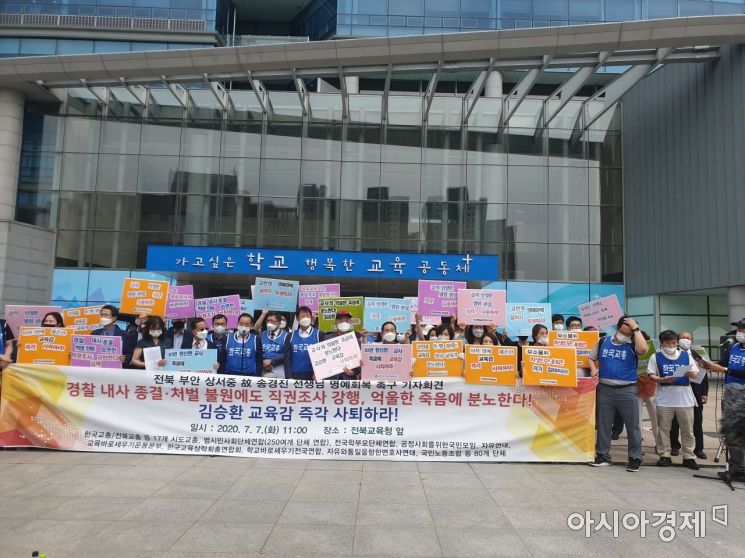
(673,388)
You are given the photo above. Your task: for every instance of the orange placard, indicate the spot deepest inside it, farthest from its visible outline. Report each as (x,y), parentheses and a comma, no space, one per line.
(144,296)
(45,345)
(437,359)
(550,366)
(491,365)
(83,320)
(583,341)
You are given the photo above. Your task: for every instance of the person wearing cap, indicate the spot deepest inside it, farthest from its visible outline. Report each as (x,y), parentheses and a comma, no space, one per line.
(343,326)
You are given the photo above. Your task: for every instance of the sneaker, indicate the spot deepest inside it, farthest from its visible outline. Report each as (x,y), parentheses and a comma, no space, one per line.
(600,462)
(691,464)
(700,454)
(674,452)
(634,465)
(664,462)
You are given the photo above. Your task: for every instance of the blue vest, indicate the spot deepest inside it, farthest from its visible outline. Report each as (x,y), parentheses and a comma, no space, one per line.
(667,367)
(736,362)
(241,357)
(299,347)
(273,348)
(617,362)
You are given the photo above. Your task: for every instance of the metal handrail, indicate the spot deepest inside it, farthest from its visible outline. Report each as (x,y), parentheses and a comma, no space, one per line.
(102,22)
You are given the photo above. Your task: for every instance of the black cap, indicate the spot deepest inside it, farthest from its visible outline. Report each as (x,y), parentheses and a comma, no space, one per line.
(740,324)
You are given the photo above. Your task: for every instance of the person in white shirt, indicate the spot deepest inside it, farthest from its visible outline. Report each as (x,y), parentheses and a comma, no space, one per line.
(672,370)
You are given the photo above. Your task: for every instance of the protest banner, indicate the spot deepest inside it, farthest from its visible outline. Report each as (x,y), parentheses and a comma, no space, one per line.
(414,310)
(386,362)
(331,357)
(228,305)
(602,313)
(191,360)
(481,306)
(309,295)
(247,306)
(583,341)
(96,351)
(180,302)
(491,365)
(144,296)
(521,317)
(45,345)
(439,298)
(550,366)
(381,310)
(275,294)
(18,316)
(436,359)
(136,411)
(327,308)
(83,320)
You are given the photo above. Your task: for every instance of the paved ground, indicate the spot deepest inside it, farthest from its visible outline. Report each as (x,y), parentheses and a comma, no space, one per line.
(127,505)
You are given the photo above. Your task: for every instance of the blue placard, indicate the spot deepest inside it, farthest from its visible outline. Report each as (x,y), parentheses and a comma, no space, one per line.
(381,310)
(522,316)
(373,265)
(191,360)
(247,306)
(275,294)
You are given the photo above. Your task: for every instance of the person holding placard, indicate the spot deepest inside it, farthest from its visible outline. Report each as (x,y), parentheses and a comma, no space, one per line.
(557,322)
(673,369)
(152,336)
(539,334)
(244,353)
(53,319)
(344,325)
(108,316)
(574,323)
(273,343)
(613,359)
(297,361)
(200,341)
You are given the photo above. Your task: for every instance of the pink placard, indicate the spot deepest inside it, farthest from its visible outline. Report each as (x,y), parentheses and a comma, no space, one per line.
(386,362)
(180,302)
(309,294)
(229,305)
(427,320)
(330,357)
(602,313)
(97,351)
(439,298)
(481,307)
(26,316)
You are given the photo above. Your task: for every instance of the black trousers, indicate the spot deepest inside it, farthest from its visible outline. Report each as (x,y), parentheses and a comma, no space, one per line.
(698,430)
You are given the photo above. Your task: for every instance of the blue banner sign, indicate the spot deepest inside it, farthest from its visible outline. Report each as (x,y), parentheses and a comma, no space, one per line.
(324,263)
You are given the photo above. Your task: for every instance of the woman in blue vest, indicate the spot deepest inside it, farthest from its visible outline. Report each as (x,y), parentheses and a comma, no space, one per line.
(273,342)
(297,359)
(243,349)
(613,360)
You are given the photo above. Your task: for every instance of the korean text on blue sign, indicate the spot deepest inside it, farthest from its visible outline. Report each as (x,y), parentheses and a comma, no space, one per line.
(373,265)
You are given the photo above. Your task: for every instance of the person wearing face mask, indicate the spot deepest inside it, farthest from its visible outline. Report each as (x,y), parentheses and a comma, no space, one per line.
(273,342)
(389,335)
(557,322)
(613,360)
(444,332)
(200,341)
(219,333)
(574,323)
(178,336)
(343,326)
(244,352)
(539,333)
(490,339)
(674,397)
(297,360)
(108,316)
(153,335)
(53,319)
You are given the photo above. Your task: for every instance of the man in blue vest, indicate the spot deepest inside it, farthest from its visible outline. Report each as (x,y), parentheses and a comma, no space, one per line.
(613,360)
(733,359)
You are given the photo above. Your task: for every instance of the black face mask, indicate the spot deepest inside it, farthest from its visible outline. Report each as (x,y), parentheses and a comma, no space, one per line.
(48,325)
(178,325)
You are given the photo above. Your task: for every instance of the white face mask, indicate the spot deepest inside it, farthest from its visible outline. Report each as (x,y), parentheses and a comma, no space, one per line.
(271,327)
(669,350)
(219,329)
(401,337)
(343,327)
(740,336)
(444,337)
(202,334)
(156,332)
(106,321)
(283,324)
(389,337)
(478,331)
(304,322)
(558,327)
(621,338)
(243,330)
(542,340)
(685,344)
(575,328)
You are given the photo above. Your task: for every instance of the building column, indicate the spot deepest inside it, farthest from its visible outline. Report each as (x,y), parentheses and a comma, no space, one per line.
(493,86)
(11,130)
(736,303)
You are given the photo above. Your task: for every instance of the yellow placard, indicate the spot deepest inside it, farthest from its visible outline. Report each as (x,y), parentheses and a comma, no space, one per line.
(437,359)
(83,320)
(550,366)
(583,341)
(45,345)
(491,365)
(144,296)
